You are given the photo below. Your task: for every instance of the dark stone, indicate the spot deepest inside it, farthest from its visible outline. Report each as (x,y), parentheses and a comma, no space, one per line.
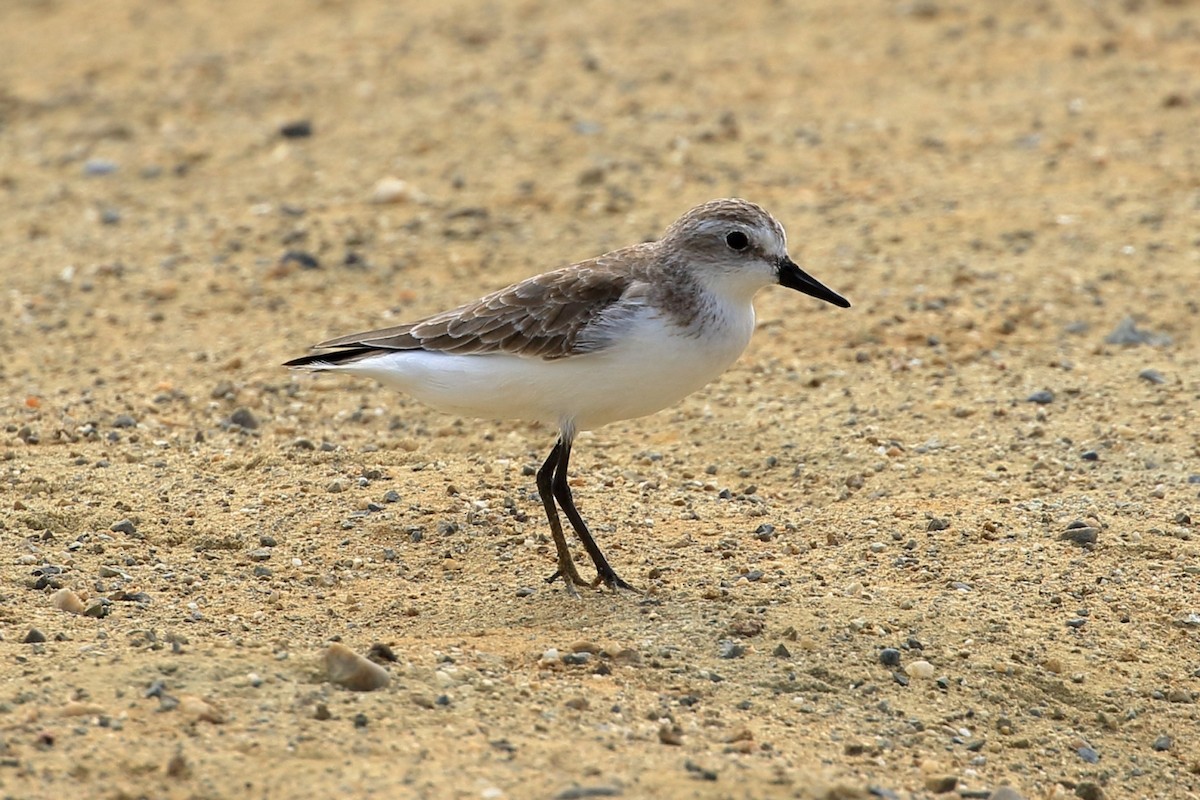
(732,649)
(1082,535)
(1128,333)
(1042,397)
(702,773)
(298,129)
(301,259)
(244,418)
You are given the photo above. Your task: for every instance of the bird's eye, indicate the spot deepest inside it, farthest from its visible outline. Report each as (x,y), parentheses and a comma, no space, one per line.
(737,240)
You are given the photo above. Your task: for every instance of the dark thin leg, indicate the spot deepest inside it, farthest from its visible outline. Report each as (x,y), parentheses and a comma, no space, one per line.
(566,567)
(562,492)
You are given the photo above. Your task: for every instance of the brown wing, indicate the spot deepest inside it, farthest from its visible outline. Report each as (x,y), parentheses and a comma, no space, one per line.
(545,317)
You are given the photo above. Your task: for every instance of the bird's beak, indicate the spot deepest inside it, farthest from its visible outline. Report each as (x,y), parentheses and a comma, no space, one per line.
(791,276)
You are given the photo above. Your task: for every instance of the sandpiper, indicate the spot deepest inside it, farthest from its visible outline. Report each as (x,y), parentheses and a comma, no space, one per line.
(619,336)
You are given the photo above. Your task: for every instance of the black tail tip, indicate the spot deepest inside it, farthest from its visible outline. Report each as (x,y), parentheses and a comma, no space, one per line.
(306,361)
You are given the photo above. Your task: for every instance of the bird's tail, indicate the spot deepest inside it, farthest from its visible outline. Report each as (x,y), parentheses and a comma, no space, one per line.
(330,360)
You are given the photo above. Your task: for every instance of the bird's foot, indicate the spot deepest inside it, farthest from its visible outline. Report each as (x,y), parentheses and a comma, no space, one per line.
(611,579)
(571,578)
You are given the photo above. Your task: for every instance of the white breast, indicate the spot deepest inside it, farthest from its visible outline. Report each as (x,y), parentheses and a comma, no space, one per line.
(653,364)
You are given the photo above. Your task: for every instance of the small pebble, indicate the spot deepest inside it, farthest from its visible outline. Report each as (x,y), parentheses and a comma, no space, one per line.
(392,190)
(360,720)
(1128,333)
(584,792)
(1089,455)
(937,524)
(941,784)
(1080,533)
(1088,754)
(200,709)
(301,259)
(261,554)
(347,668)
(125,526)
(381,653)
(889,657)
(68,601)
(34,637)
(1152,376)
(99,166)
(1042,397)
(1163,743)
(671,734)
(920,669)
(731,649)
(245,418)
(298,129)
(98,608)
(124,421)
(1005,793)
(703,773)
(1180,695)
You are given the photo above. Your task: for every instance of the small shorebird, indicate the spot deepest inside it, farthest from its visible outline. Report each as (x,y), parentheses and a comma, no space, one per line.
(616,337)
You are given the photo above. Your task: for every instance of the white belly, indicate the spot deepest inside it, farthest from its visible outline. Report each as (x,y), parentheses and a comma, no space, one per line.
(652,367)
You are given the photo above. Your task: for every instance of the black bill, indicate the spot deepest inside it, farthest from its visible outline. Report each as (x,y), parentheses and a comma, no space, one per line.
(791,276)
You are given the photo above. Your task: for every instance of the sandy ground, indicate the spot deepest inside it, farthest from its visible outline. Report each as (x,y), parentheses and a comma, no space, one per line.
(998,188)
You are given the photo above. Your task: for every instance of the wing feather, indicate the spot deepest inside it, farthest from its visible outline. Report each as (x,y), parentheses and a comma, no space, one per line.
(549,316)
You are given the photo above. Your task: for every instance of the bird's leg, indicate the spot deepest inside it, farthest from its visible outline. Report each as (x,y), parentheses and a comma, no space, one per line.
(562,492)
(566,567)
